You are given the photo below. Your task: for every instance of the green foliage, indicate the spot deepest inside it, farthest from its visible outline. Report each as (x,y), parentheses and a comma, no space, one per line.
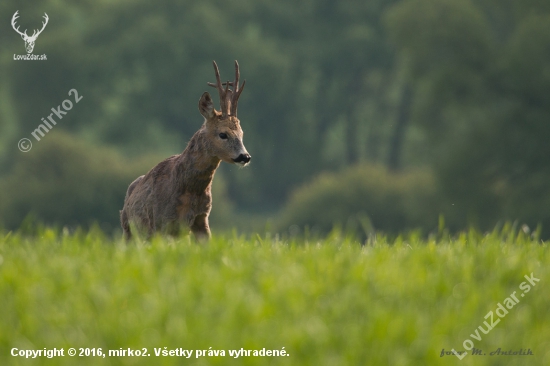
(330,302)
(364,198)
(480,72)
(222,216)
(66,181)
(458,87)
(452,36)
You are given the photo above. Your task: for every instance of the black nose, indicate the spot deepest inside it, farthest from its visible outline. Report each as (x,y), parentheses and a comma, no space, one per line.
(243,158)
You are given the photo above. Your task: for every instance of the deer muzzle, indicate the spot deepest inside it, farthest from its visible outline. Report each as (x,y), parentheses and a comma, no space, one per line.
(243,159)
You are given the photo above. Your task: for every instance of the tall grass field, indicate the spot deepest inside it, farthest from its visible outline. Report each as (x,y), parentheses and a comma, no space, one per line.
(261,300)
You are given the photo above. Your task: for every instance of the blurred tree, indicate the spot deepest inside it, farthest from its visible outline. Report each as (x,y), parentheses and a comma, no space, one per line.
(65,181)
(365,197)
(480,74)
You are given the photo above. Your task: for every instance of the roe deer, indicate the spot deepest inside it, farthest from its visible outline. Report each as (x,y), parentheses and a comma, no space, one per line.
(177,192)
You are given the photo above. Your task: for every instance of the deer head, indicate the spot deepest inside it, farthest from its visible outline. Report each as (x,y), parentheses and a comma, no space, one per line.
(223,128)
(29,40)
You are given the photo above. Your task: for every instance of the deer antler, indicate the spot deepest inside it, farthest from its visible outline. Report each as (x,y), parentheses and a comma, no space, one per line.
(13,21)
(43,26)
(236,90)
(223,92)
(228,97)
(24,34)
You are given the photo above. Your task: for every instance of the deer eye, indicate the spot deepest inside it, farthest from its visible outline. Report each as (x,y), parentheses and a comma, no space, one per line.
(223,136)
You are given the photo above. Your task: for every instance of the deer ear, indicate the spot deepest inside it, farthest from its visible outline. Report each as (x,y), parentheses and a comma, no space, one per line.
(206,106)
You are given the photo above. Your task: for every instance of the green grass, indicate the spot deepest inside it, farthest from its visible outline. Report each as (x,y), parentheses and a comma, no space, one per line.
(327,302)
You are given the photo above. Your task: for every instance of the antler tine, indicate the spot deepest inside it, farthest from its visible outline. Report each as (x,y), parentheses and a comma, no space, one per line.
(228,98)
(46,18)
(222,92)
(223,84)
(13,21)
(237,90)
(237,74)
(14,18)
(37,32)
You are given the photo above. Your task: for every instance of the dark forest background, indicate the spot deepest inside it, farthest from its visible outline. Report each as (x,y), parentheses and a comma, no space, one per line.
(374,115)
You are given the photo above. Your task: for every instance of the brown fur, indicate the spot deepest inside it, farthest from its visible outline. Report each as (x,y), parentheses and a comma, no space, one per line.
(177,192)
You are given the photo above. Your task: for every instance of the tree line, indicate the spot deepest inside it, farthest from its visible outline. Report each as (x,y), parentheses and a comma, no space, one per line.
(459,88)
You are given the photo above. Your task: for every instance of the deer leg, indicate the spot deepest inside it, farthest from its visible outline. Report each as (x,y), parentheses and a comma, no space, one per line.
(123,214)
(200,228)
(125,225)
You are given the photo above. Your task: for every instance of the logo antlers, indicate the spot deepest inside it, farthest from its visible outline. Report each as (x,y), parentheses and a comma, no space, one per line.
(29,41)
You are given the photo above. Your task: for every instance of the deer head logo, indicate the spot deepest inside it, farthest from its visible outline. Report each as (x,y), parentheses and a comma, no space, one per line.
(29,40)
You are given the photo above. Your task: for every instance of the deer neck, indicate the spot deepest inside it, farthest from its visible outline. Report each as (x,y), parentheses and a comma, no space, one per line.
(195,167)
